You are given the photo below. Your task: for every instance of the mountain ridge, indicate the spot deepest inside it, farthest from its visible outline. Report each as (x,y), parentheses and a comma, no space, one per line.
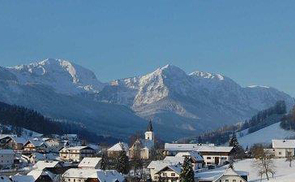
(174,100)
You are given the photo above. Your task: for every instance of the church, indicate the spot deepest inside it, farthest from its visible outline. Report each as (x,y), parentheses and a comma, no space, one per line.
(142,148)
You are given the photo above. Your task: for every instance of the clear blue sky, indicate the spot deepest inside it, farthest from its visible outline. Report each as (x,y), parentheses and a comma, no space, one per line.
(251,41)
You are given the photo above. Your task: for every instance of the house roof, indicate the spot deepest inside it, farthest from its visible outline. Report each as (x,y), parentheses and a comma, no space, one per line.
(36,143)
(6,151)
(22,178)
(283,144)
(108,175)
(193,154)
(213,175)
(45,164)
(89,162)
(174,159)
(78,148)
(37,173)
(175,168)
(119,147)
(196,147)
(19,140)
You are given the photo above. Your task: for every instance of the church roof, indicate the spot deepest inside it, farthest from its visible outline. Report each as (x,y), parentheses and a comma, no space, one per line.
(150,126)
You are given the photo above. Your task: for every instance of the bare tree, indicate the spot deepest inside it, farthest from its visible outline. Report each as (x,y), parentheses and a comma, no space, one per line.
(289,158)
(263,161)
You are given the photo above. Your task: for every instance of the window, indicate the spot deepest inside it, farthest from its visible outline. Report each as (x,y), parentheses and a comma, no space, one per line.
(234,180)
(172,174)
(226,180)
(280,153)
(208,157)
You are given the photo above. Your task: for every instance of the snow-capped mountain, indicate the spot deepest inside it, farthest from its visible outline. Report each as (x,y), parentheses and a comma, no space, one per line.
(65,77)
(181,104)
(193,102)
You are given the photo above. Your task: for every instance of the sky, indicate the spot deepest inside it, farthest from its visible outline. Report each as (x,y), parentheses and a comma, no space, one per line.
(252,42)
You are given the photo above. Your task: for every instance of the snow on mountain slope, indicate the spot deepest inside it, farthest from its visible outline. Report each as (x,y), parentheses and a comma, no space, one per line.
(200,101)
(65,77)
(265,135)
(176,101)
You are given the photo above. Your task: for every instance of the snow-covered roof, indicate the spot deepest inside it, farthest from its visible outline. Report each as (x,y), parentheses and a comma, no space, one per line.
(283,144)
(174,159)
(19,140)
(214,149)
(89,162)
(175,168)
(45,164)
(196,147)
(193,154)
(161,164)
(212,175)
(108,175)
(36,143)
(37,173)
(22,178)
(119,147)
(6,151)
(78,148)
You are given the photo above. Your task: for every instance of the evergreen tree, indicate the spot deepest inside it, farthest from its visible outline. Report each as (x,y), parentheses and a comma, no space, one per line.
(104,161)
(237,149)
(122,163)
(187,173)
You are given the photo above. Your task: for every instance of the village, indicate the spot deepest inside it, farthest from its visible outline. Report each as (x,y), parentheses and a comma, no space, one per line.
(66,158)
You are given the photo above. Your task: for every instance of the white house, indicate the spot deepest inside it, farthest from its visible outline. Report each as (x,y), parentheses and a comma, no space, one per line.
(115,150)
(197,159)
(169,173)
(7,157)
(221,175)
(83,175)
(76,154)
(283,148)
(159,168)
(212,155)
(90,163)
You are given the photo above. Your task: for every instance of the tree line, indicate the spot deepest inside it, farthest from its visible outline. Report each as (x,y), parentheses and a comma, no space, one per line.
(257,122)
(20,117)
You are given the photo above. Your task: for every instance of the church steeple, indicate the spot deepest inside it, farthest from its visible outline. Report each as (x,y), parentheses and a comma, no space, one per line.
(149,134)
(150,126)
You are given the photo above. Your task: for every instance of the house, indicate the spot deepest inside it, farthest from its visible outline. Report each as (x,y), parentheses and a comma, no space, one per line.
(16,143)
(283,148)
(35,146)
(221,175)
(212,155)
(173,148)
(116,149)
(169,173)
(41,165)
(6,158)
(41,175)
(90,162)
(156,166)
(36,156)
(76,154)
(142,148)
(216,155)
(196,158)
(92,175)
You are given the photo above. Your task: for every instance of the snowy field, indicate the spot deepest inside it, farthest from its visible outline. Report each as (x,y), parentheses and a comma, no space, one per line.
(284,173)
(265,136)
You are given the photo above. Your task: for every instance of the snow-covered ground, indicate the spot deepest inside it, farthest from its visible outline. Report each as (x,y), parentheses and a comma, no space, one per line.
(265,135)
(284,173)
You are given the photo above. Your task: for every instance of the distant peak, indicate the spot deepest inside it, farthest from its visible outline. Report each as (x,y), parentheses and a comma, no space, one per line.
(207,75)
(258,86)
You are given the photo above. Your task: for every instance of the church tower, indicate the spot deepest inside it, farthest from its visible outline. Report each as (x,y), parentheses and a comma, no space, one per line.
(149,134)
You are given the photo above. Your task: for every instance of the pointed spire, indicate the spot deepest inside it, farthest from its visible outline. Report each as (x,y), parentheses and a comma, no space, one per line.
(150,126)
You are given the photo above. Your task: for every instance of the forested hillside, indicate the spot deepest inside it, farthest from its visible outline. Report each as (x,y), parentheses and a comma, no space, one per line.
(21,117)
(261,120)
